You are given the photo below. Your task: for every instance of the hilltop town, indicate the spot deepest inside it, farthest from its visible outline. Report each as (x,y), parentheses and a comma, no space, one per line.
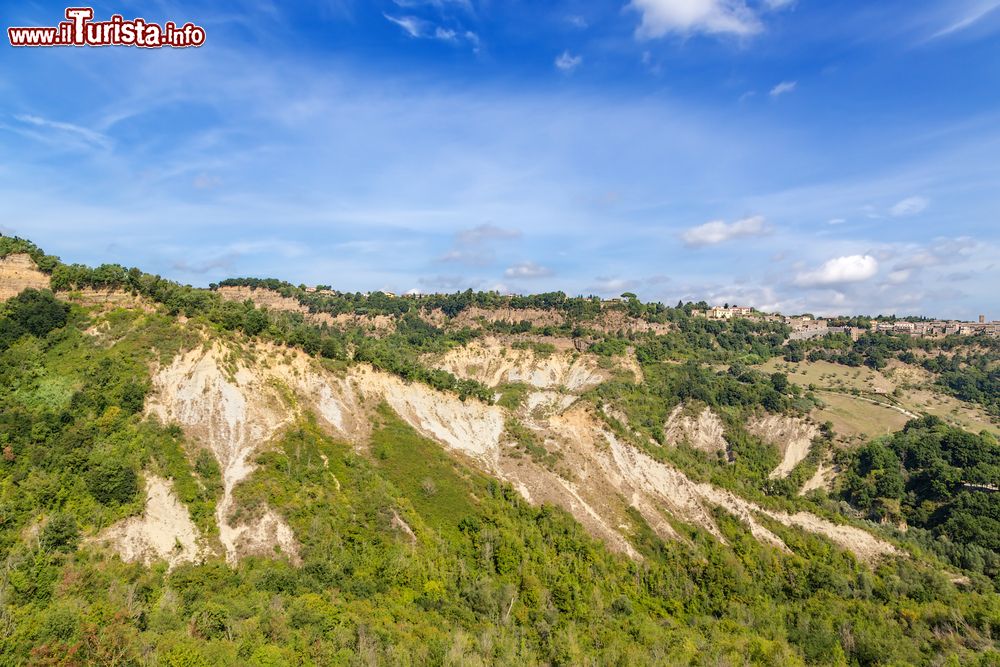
(807,326)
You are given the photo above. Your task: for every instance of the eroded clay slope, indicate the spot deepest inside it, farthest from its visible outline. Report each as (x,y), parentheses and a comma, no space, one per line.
(792,436)
(164,531)
(702,430)
(236,403)
(491,362)
(609,473)
(232,409)
(19,272)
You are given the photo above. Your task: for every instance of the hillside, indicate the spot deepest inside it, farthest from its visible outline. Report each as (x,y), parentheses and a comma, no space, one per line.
(261,474)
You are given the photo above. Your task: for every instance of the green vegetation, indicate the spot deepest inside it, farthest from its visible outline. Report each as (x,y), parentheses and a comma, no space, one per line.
(30,312)
(967,368)
(939,479)
(409,556)
(525,440)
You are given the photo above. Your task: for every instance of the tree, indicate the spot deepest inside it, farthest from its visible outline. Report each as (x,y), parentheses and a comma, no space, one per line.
(60,533)
(112,482)
(35,312)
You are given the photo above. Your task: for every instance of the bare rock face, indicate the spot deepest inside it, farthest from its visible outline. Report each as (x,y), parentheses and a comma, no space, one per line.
(234,414)
(272,300)
(19,272)
(537,317)
(261,297)
(493,363)
(612,320)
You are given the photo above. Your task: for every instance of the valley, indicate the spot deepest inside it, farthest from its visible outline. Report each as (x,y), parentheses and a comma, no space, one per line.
(300,478)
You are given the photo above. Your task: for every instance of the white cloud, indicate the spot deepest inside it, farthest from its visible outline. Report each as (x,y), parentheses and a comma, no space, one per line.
(718,231)
(527,270)
(413,26)
(839,270)
(899,277)
(81,135)
(418,28)
(568,62)
(973,15)
(909,206)
(836,221)
(783,88)
(661,17)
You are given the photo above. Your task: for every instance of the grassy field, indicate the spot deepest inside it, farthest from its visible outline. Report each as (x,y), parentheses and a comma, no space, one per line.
(950,409)
(906,386)
(826,375)
(855,421)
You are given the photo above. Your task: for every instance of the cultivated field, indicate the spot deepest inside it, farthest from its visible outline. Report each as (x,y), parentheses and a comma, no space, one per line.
(899,387)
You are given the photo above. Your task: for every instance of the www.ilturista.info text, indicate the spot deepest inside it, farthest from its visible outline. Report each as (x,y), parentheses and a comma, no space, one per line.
(81,30)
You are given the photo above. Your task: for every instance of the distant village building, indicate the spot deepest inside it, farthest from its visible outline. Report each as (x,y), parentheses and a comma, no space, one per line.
(937,328)
(804,327)
(723,312)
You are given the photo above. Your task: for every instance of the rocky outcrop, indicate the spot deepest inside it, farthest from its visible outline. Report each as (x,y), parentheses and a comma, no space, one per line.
(493,363)
(537,317)
(272,300)
(614,320)
(262,298)
(108,299)
(19,272)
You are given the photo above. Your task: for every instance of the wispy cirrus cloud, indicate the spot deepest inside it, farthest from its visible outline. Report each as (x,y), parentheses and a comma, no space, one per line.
(476,246)
(909,206)
(783,88)
(418,28)
(967,16)
(59,131)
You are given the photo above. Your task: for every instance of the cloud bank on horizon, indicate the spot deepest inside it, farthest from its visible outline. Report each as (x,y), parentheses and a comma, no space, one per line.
(784,154)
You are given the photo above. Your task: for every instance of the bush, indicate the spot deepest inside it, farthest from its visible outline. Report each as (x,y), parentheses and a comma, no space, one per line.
(60,533)
(112,482)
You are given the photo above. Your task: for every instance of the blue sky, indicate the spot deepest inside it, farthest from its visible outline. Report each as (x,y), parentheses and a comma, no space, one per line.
(793,155)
